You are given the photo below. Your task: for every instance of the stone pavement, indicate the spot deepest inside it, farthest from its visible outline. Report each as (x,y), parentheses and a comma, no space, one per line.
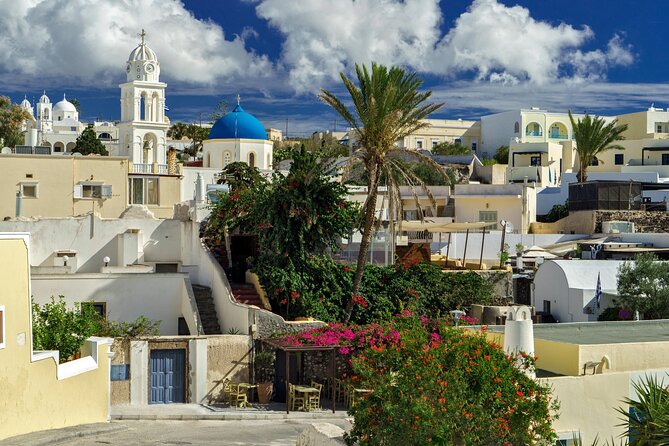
(174,417)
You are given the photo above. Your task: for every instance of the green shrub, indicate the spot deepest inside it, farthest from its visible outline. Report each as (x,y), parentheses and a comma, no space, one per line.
(57,327)
(321,288)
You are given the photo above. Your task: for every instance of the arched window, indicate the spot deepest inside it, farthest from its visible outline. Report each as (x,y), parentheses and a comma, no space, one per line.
(516,127)
(269,160)
(142,107)
(46,113)
(226,159)
(252,159)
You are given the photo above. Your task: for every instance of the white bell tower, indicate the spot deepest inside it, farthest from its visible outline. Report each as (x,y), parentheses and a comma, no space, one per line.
(143,126)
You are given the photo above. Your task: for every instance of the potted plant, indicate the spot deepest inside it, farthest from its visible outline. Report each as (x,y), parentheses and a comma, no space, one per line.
(263,366)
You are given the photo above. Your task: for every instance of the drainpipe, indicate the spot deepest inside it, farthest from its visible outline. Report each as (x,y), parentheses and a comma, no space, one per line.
(525,220)
(19,202)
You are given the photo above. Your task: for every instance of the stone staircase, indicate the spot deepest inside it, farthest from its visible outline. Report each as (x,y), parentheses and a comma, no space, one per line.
(207,310)
(245,293)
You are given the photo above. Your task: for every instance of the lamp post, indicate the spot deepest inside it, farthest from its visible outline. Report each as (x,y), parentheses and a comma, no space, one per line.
(457,314)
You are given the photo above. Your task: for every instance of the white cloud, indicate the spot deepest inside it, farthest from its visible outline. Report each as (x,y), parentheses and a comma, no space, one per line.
(88,42)
(491,41)
(325,37)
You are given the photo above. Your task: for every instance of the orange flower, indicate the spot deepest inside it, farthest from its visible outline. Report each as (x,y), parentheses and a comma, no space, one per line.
(498,394)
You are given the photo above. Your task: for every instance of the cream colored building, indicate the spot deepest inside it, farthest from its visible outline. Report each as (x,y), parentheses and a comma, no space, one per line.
(514,203)
(456,131)
(65,186)
(592,367)
(37,392)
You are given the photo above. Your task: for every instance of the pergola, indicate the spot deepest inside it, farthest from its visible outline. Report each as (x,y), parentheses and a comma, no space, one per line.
(288,349)
(443,227)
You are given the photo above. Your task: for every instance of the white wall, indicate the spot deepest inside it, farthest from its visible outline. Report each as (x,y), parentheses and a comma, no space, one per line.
(190,176)
(157,296)
(497,130)
(160,240)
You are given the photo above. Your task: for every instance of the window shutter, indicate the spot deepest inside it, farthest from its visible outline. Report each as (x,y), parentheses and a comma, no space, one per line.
(106,191)
(78,191)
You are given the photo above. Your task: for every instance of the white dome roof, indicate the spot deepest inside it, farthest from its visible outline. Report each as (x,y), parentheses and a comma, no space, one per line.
(142,52)
(65,106)
(25,103)
(44,99)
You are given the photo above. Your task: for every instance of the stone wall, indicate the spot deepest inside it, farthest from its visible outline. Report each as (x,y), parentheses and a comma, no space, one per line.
(269,324)
(644,221)
(228,356)
(502,285)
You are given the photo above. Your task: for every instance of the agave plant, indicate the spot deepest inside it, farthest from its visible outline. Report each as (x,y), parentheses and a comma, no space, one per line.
(646,418)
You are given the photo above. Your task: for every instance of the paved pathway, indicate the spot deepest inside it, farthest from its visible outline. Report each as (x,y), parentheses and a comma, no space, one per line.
(202,433)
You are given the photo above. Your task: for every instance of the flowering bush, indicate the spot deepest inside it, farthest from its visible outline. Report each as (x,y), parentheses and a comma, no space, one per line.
(433,383)
(325,288)
(441,385)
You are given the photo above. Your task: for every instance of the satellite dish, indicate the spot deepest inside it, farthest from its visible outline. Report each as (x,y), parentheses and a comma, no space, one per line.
(6,151)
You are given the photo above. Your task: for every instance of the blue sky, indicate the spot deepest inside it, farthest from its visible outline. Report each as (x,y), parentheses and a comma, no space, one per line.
(478,56)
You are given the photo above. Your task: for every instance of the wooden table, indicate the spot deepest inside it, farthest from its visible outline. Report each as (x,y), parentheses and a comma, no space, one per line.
(306,390)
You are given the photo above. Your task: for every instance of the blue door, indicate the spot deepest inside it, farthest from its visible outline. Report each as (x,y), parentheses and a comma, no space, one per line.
(167,376)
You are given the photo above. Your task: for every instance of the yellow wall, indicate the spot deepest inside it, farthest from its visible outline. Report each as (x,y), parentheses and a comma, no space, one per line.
(557,357)
(56,177)
(587,404)
(32,398)
(508,207)
(628,357)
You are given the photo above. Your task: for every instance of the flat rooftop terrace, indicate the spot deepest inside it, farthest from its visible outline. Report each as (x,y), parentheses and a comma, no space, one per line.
(590,333)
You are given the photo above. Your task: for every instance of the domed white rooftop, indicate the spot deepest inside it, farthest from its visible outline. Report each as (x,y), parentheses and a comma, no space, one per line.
(142,52)
(25,103)
(44,99)
(65,106)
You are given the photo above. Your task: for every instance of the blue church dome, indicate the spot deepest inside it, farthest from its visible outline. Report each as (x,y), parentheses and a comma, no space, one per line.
(238,124)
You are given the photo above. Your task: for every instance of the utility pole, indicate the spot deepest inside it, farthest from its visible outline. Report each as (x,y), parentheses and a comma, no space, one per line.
(286,128)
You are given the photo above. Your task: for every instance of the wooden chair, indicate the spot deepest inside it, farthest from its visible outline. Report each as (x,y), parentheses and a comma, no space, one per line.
(238,395)
(294,399)
(314,402)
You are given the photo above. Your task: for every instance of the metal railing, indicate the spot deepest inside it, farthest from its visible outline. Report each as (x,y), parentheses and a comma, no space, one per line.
(162,169)
(558,136)
(533,133)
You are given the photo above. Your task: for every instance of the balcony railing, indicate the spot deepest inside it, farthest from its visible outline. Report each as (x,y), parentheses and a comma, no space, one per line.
(154,168)
(558,136)
(534,134)
(142,168)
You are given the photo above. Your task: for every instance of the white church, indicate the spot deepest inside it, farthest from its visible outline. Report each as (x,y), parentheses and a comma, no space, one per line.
(141,134)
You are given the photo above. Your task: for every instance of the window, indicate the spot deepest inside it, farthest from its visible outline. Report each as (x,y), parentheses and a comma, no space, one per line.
(665,159)
(29,190)
(489,217)
(435,143)
(535,161)
(594,161)
(143,191)
(474,146)
(252,159)
(419,143)
(226,159)
(457,141)
(619,159)
(660,127)
(516,127)
(547,306)
(2,326)
(92,191)
(99,307)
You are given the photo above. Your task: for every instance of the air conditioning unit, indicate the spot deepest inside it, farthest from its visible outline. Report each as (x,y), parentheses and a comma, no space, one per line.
(617,227)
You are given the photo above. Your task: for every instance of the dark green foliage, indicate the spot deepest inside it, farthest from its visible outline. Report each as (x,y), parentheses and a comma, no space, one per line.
(431,175)
(196,133)
(557,212)
(321,288)
(88,143)
(502,155)
(449,148)
(643,285)
(142,326)
(239,176)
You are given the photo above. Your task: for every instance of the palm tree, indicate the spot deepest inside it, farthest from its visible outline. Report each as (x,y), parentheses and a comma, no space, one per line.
(593,136)
(646,418)
(387,106)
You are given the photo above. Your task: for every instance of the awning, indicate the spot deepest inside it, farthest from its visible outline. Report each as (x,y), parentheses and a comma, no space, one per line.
(436,226)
